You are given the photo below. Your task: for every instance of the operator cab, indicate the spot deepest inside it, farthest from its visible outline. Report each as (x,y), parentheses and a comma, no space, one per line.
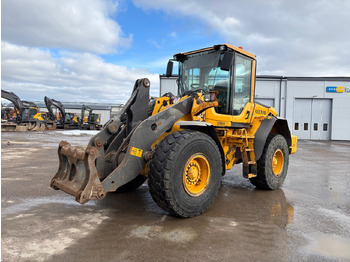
(29,114)
(93,118)
(223,68)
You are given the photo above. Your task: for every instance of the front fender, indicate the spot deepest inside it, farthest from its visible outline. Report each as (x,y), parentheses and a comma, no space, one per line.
(208,129)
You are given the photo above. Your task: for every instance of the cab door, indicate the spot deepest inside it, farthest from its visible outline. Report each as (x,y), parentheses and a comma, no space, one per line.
(235,93)
(242,97)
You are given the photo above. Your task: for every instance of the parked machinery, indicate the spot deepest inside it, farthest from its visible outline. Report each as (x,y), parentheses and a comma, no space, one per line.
(8,114)
(184,147)
(93,120)
(66,120)
(28,116)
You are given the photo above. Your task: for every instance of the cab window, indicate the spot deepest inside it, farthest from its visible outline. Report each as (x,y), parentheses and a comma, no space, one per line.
(32,113)
(220,80)
(242,83)
(194,77)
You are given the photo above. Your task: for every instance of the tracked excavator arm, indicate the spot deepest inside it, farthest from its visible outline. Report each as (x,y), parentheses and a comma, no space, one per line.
(16,101)
(52,102)
(29,104)
(83,109)
(26,119)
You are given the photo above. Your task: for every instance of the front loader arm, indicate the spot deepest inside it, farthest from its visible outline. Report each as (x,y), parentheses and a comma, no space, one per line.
(115,155)
(141,140)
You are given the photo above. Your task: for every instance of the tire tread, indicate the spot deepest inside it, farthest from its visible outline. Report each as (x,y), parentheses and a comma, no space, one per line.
(261,180)
(160,166)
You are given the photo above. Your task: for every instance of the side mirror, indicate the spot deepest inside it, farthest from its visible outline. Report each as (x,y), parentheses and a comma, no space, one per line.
(226,61)
(169,68)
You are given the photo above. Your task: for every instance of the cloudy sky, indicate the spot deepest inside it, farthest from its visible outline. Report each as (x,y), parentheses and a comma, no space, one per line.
(94,50)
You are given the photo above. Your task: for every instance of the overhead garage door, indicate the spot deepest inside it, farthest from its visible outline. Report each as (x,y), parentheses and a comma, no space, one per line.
(312,119)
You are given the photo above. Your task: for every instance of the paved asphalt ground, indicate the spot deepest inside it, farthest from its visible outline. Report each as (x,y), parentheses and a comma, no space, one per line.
(307,220)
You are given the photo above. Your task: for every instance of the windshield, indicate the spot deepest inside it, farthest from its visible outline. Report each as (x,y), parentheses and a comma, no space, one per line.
(28,114)
(25,114)
(91,118)
(68,117)
(32,113)
(201,71)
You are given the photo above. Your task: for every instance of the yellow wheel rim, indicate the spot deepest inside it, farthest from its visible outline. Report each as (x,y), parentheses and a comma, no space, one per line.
(196,174)
(277,162)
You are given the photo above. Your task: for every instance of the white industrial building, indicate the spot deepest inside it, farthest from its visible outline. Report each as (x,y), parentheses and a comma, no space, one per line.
(317,108)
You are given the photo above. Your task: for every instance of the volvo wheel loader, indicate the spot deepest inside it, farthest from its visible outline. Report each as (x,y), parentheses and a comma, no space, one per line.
(184,145)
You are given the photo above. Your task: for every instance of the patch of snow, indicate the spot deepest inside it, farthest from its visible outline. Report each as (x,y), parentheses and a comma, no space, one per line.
(78,132)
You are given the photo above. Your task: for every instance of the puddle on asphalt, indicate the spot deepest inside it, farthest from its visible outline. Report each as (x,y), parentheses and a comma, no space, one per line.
(177,235)
(14,153)
(47,138)
(17,142)
(30,203)
(14,179)
(339,217)
(53,234)
(267,206)
(330,246)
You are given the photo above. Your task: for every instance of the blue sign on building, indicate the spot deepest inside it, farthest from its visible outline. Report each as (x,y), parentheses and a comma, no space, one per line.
(336,89)
(331,89)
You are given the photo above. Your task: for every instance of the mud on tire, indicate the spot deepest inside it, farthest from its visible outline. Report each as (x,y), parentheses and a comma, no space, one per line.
(273,163)
(185,173)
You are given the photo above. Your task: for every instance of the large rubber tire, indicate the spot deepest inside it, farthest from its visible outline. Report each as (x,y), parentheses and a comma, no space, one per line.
(169,175)
(273,163)
(132,185)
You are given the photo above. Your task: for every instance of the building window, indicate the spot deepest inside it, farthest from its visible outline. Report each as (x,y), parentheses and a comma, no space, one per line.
(315,126)
(306,126)
(296,126)
(325,127)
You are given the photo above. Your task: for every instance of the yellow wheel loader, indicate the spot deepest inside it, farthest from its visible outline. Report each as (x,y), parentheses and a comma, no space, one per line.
(184,145)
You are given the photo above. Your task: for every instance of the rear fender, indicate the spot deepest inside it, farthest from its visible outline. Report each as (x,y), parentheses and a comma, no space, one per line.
(270,125)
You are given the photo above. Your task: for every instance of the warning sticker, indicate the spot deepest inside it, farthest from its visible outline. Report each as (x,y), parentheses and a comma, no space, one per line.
(136,151)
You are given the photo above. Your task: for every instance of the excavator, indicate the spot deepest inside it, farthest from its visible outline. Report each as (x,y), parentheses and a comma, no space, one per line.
(8,114)
(184,145)
(28,118)
(93,120)
(66,120)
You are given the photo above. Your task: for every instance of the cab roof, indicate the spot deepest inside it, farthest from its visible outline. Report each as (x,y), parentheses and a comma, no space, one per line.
(216,47)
